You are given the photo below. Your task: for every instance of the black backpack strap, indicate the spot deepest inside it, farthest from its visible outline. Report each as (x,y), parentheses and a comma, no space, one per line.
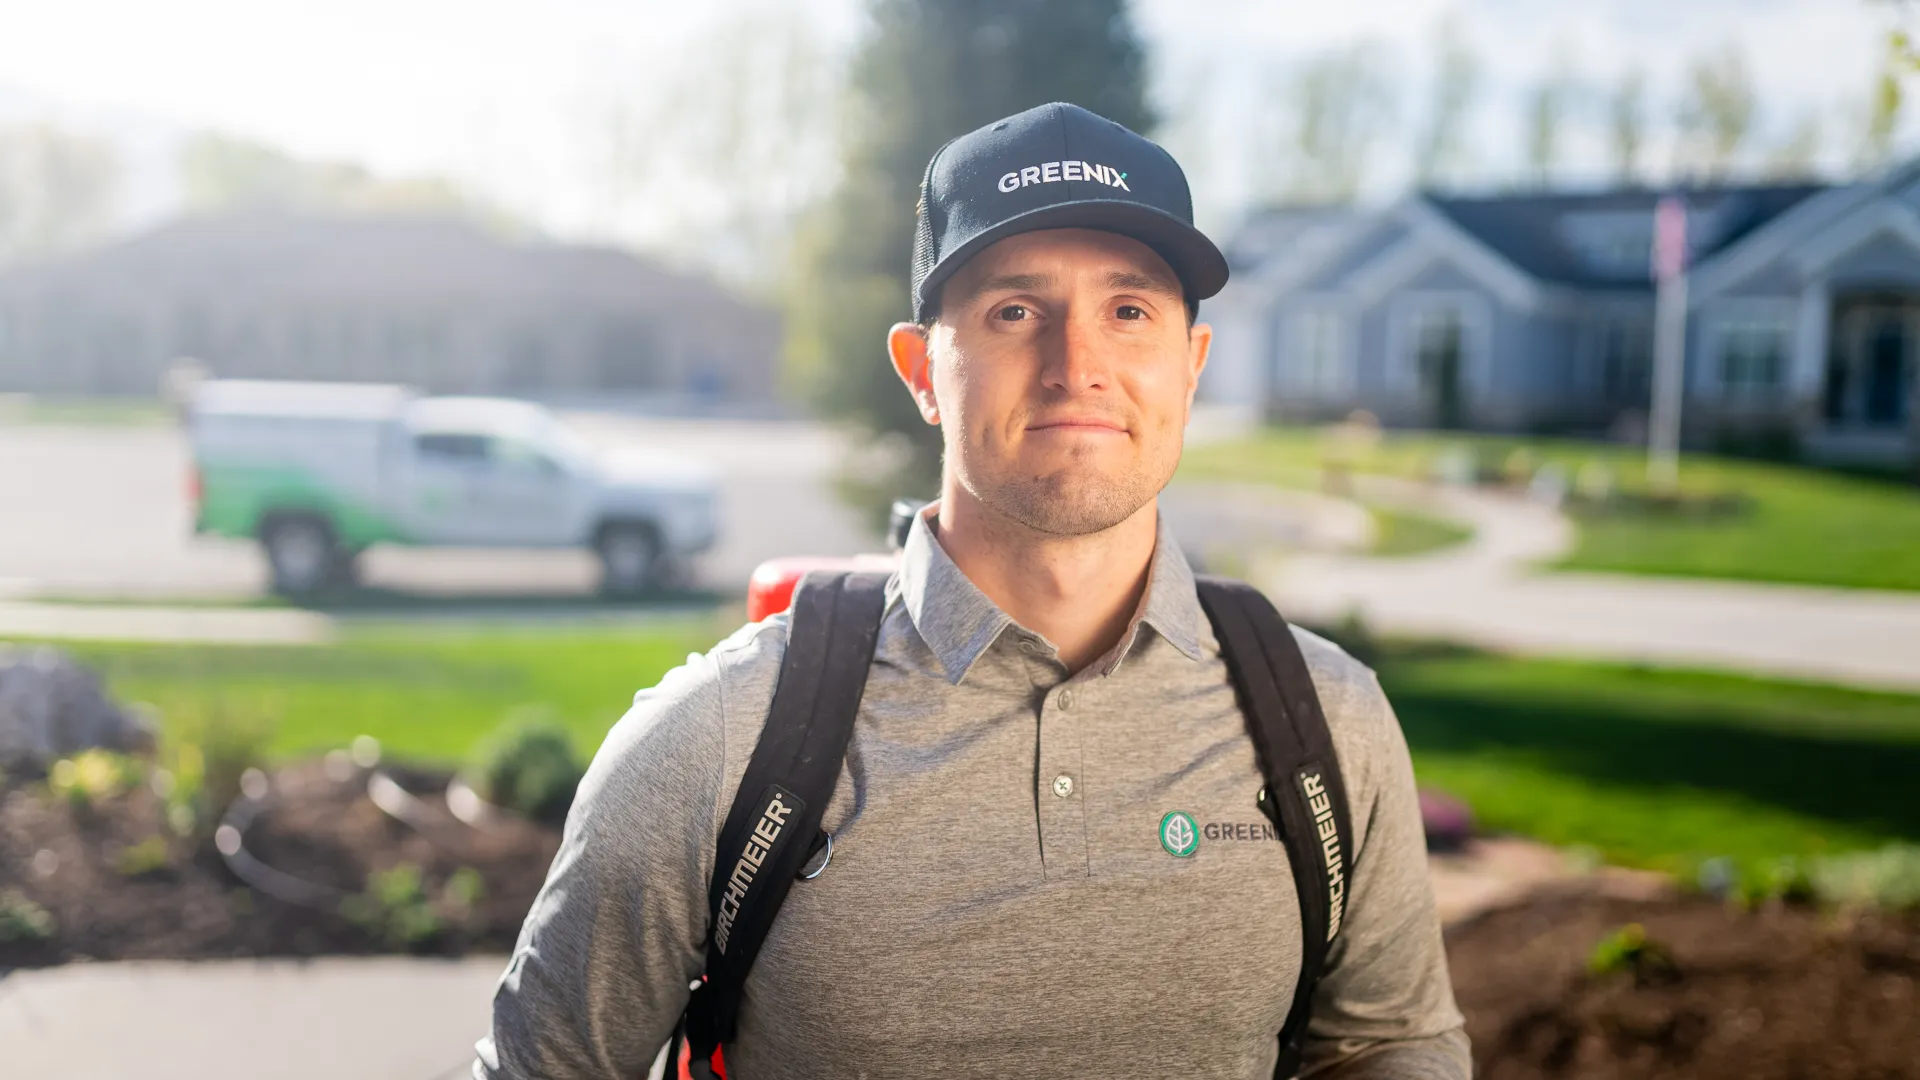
(774,825)
(1304,795)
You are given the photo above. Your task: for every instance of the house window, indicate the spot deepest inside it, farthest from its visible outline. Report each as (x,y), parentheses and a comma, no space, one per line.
(1753,358)
(1318,355)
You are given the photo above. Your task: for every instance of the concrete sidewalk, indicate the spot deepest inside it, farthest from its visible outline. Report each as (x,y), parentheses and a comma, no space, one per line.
(370,1019)
(29,620)
(1487,592)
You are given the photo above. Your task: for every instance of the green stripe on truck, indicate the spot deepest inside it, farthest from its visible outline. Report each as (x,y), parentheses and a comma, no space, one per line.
(234,498)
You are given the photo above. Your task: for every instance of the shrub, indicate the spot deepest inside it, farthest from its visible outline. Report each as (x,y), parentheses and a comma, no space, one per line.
(144,857)
(92,777)
(463,892)
(205,752)
(1629,949)
(528,765)
(394,908)
(1888,879)
(1785,879)
(1353,635)
(21,919)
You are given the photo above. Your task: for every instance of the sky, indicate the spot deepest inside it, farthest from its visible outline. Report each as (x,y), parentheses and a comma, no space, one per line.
(493,92)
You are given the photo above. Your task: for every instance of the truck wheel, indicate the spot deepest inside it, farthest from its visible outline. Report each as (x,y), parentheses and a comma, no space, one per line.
(301,554)
(345,571)
(629,558)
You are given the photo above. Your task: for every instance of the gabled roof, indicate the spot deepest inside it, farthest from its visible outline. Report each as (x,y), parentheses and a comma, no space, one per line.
(1602,239)
(1288,229)
(263,255)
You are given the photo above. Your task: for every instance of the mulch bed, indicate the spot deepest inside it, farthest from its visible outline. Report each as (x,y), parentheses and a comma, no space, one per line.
(67,860)
(1770,995)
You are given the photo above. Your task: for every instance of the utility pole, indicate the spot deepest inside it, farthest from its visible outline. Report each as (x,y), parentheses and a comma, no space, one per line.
(1669,342)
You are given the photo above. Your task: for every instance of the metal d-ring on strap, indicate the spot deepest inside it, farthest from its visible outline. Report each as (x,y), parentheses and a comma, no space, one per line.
(823,862)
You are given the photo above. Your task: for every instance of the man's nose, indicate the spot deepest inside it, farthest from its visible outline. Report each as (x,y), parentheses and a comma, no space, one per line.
(1075,363)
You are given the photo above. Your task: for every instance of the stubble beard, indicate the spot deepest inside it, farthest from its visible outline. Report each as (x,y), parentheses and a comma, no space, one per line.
(1078,499)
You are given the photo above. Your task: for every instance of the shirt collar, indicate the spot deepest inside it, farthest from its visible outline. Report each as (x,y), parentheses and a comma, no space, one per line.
(959,623)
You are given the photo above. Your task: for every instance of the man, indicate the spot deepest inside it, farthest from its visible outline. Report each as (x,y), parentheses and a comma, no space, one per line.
(1001,899)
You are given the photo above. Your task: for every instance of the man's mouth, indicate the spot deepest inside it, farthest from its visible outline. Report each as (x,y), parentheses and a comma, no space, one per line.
(1079,423)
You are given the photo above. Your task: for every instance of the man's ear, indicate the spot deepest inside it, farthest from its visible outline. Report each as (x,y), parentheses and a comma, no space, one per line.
(1199,346)
(907,345)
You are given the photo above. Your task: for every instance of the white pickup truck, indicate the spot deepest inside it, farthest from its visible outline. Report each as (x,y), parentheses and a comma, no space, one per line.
(320,471)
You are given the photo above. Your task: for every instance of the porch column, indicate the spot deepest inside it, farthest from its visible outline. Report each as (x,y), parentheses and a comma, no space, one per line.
(1807,380)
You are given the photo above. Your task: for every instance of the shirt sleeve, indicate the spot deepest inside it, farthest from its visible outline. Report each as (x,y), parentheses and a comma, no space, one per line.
(600,973)
(1385,1006)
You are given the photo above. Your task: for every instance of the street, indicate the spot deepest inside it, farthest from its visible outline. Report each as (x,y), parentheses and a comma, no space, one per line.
(103,512)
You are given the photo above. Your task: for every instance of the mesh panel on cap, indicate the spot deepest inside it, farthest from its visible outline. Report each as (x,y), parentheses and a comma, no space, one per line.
(924,255)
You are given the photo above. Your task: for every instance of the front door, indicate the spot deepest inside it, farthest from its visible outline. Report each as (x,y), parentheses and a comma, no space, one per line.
(1439,344)
(1870,382)
(1886,374)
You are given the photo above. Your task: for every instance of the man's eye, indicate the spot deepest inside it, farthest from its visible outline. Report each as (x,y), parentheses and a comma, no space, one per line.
(1130,312)
(1013,313)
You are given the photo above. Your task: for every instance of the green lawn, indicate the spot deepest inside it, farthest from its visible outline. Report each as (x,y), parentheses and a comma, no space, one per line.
(426,694)
(1655,767)
(1650,767)
(84,411)
(1401,533)
(1802,525)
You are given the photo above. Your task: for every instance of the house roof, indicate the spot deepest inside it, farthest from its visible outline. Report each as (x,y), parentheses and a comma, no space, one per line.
(1603,239)
(266,255)
(1290,229)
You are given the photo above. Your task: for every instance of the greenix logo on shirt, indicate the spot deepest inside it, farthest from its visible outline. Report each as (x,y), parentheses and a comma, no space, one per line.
(1179,835)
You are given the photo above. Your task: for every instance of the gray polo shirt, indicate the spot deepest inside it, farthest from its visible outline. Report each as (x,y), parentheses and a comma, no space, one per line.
(999,901)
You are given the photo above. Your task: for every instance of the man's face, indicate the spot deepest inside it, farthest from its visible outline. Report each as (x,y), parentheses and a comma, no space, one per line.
(1061,370)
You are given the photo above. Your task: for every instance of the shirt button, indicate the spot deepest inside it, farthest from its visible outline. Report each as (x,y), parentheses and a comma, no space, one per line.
(1027,646)
(1065,699)
(1063,785)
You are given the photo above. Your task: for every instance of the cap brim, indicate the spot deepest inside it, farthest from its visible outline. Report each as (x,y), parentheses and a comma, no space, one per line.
(1201,267)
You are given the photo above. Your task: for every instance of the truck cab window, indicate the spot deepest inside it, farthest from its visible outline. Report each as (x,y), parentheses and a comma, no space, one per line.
(452,448)
(512,454)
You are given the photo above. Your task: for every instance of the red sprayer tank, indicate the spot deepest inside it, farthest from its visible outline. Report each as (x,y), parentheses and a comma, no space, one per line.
(770,589)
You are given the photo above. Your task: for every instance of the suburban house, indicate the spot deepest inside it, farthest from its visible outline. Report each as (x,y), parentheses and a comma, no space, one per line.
(433,301)
(1535,313)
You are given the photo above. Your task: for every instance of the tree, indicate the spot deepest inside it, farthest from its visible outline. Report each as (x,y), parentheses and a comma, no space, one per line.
(1332,111)
(1456,80)
(1882,112)
(1547,105)
(714,158)
(56,190)
(221,172)
(1793,157)
(929,70)
(1716,114)
(218,172)
(1627,125)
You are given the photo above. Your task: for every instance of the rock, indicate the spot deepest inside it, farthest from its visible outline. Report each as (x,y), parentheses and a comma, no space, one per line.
(52,706)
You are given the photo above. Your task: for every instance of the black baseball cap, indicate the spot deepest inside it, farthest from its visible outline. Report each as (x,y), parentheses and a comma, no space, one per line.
(1056,166)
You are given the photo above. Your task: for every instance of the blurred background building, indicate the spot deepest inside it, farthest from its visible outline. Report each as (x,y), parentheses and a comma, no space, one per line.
(1534,312)
(437,302)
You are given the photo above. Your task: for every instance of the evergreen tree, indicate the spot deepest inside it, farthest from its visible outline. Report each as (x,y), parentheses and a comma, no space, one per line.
(929,70)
